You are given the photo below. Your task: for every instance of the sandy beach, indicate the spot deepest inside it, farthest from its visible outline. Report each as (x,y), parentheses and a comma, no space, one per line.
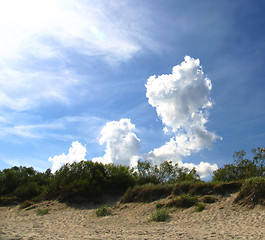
(220,220)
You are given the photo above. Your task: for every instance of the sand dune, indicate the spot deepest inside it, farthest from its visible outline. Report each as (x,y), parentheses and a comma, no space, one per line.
(220,220)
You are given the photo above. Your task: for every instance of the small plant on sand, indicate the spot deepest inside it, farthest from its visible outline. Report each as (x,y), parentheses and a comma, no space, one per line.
(25,204)
(103,211)
(41,212)
(200,207)
(159,205)
(160,215)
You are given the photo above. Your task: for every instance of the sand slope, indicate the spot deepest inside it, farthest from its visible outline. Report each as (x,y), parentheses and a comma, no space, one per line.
(220,220)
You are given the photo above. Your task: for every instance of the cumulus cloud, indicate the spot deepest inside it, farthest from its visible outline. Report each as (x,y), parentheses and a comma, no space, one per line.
(77,153)
(180,97)
(182,100)
(122,144)
(204,169)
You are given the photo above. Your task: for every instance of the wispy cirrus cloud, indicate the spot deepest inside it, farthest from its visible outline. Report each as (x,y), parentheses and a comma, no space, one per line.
(44,28)
(69,128)
(37,38)
(22,89)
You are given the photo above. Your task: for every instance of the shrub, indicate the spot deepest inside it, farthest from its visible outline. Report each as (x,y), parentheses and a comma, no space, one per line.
(41,212)
(25,204)
(28,191)
(200,207)
(242,168)
(119,178)
(103,211)
(252,192)
(183,201)
(160,215)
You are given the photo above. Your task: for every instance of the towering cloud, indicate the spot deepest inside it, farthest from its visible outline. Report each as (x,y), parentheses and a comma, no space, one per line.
(77,153)
(122,144)
(181,100)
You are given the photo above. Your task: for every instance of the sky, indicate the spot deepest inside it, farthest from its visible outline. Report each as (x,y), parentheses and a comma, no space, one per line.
(122,81)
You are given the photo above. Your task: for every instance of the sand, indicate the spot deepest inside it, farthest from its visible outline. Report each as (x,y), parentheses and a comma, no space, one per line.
(220,220)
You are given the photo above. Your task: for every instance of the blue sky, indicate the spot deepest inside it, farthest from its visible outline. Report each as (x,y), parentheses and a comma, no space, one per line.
(75,81)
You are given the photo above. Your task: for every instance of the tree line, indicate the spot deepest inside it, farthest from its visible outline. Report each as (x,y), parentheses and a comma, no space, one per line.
(87,180)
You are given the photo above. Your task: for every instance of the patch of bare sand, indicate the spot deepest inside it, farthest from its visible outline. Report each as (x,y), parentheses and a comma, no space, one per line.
(220,220)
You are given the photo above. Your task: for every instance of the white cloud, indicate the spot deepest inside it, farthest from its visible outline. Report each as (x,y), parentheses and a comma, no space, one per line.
(181,100)
(77,153)
(181,96)
(122,144)
(204,169)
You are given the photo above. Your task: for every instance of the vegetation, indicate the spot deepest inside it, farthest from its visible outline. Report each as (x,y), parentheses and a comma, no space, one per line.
(252,192)
(160,215)
(200,207)
(147,193)
(151,192)
(22,182)
(166,173)
(242,168)
(103,211)
(25,204)
(182,201)
(41,212)
(89,181)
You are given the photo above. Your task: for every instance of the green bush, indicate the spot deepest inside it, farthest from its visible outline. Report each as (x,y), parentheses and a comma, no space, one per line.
(167,172)
(242,168)
(160,215)
(103,211)
(119,178)
(200,207)
(28,191)
(183,201)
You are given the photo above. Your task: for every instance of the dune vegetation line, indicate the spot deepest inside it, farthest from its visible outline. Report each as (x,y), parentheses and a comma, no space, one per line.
(90,181)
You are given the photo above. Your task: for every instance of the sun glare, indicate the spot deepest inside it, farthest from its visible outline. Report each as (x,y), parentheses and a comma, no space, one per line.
(27,13)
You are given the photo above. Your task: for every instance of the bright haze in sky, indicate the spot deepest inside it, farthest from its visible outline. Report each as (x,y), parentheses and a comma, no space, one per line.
(122,81)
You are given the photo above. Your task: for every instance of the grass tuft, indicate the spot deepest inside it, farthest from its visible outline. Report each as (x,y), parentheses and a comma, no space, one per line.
(103,211)
(159,205)
(41,212)
(183,201)
(200,207)
(160,215)
(25,204)
(252,192)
